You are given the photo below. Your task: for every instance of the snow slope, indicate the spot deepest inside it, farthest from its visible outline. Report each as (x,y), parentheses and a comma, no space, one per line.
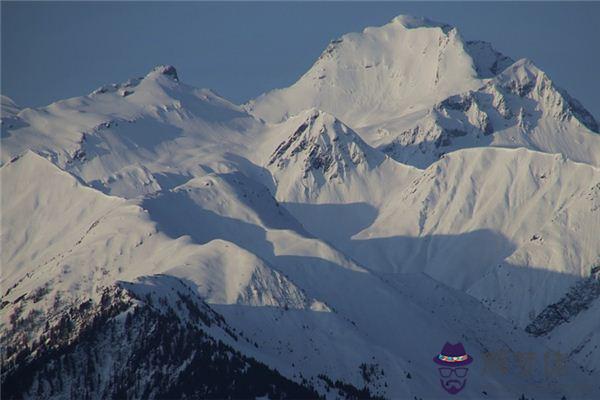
(475,208)
(416,90)
(89,240)
(380,73)
(255,298)
(137,137)
(521,107)
(294,333)
(9,107)
(314,157)
(323,257)
(579,337)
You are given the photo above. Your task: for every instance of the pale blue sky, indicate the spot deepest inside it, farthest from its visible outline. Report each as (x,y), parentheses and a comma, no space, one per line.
(57,50)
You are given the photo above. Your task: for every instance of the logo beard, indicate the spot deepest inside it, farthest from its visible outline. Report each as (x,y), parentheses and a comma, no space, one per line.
(453,386)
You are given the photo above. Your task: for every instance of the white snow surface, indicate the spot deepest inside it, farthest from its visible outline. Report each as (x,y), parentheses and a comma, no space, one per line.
(378,74)
(410,189)
(9,107)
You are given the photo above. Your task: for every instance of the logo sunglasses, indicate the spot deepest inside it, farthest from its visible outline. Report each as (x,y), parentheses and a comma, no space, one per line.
(459,372)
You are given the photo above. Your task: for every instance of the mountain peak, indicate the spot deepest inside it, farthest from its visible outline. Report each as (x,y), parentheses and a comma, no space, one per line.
(412,22)
(8,106)
(321,145)
(315,122)
(313,114)
(525,79)
(378,74)
(523,69)
(127,88)
(166,70)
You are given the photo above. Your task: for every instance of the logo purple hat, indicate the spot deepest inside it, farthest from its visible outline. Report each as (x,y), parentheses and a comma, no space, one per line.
(453,355)
(452,362)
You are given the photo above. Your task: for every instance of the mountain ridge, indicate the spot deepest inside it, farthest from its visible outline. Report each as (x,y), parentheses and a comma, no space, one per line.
(300,246)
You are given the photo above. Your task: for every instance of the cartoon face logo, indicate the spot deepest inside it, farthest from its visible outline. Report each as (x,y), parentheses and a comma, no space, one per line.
(453,360)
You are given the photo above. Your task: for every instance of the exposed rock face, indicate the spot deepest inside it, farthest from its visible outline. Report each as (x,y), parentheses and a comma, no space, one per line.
(322,147)
(167,70)
(514,107)
(525,80)
(579,298)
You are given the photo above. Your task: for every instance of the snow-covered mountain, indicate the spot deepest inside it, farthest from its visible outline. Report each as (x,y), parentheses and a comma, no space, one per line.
(521,107)
(381,73)
(416,90)
(135,138)
(317,158)
(326,239)
(261,304)
(9,107)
